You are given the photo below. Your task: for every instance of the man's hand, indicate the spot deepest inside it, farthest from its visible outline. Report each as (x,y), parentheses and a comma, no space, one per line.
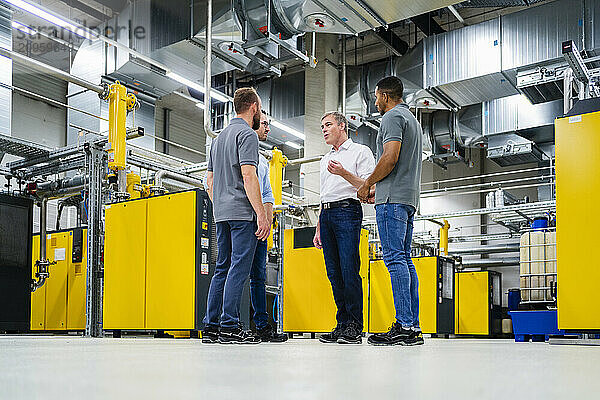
(264,227)
(364,192)
(334,167)
(317,239)
(371,198)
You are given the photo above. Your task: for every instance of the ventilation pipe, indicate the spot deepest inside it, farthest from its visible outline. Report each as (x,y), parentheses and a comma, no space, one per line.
(208,74)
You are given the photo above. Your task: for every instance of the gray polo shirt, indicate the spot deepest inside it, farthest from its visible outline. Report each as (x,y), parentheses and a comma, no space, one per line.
(235,146)
(403,184)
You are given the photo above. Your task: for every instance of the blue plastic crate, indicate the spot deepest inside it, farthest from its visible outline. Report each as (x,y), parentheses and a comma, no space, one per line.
(537,325)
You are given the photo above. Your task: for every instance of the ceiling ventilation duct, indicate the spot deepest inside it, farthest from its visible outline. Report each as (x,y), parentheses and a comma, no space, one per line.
(511,149)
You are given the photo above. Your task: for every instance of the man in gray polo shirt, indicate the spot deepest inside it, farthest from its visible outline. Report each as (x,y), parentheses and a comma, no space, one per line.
(398,178)
(239,215)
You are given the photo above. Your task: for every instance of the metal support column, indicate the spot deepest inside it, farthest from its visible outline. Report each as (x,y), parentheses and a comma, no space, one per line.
(96,166)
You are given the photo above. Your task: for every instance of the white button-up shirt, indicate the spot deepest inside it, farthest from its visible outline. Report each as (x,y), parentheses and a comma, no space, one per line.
(356,159)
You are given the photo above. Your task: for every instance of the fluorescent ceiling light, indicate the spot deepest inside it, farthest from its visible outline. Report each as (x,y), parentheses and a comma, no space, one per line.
(196,86)
(294,145)
(23,28)
(287,129)
(40,12)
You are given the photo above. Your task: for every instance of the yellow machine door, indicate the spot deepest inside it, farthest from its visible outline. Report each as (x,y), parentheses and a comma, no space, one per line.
(171,262)
(472,303)
(76,285)
(125,265)
(38,298)
(382,312)
(577,194)
(56,284)
(308,304)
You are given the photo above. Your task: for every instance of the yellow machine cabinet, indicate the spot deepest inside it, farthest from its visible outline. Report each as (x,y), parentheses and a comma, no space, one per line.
(60,303)
(577,192)
(308,304)
(157,264)
(436,295)
(478,303)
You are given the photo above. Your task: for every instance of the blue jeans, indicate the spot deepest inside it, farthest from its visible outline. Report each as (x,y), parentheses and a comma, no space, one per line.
(258,294)
(236,241)
(395,225)
(340,237)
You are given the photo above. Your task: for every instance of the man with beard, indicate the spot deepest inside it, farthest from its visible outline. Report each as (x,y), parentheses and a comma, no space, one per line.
(397,177)
(258,273)
(240,217)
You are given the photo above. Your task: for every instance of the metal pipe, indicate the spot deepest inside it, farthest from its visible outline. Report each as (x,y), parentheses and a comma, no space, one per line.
(344,75)
(43,68)
(486,250)
(304,160)
(42,262)
(487,175)
(208,73)
(49,100)
(491,262)
(160,175)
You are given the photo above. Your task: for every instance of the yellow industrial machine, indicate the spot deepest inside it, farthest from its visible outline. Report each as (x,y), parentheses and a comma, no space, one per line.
(577,194)
(478,303)
(436,295)
(59,305)
(157,262)
(308,304)
(276,164)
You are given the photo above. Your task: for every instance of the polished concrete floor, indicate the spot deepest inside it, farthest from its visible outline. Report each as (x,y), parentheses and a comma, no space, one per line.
(46,367)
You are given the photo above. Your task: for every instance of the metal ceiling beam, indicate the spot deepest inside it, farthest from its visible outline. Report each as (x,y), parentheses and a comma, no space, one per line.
(371,12)
(427,24)
(392,41)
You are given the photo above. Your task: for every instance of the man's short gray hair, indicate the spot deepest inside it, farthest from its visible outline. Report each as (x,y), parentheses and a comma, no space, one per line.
(339,118)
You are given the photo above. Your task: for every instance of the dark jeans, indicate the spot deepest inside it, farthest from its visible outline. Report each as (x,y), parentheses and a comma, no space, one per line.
(258,275)
(236,241)
(395,225)
(340,236)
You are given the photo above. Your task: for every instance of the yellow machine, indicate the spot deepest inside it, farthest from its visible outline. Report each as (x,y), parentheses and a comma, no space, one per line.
(157,262)
(478,303)
(577,193)
(436,295)
(308,304)
(59,305)
(276,164)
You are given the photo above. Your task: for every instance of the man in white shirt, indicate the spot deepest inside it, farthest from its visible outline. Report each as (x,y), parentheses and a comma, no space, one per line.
(343,170)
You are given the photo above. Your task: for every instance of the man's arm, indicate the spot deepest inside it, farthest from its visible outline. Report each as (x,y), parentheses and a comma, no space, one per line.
(269,211)
(252,189)
(209,184)
(385,165)
(317,238)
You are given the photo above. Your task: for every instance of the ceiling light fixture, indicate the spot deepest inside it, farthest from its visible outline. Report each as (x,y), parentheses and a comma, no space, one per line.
(288,129)
(294,145)
(23,28)
(42,13)
(215,94)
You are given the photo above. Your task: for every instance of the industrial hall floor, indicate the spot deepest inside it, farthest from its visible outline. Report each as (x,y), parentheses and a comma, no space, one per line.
(47,367)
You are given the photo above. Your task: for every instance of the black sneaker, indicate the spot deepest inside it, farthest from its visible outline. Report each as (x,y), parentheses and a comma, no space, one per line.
(419,338)
(268,334)
(237,336)
(351,335)
(210,334)
(333,336)
(394,336)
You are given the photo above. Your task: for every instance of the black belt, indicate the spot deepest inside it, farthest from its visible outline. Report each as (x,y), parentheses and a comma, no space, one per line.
(340,203)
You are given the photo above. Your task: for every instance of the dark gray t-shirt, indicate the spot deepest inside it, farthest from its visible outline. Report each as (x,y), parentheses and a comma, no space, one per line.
(235,146)
(403,184)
